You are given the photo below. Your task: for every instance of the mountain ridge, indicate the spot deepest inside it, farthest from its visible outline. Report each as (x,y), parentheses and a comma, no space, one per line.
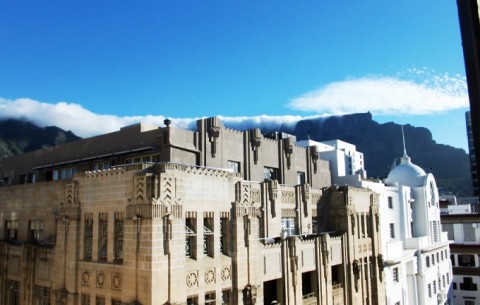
(381,144)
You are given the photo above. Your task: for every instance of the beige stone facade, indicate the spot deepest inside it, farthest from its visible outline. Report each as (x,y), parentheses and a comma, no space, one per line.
(171,216)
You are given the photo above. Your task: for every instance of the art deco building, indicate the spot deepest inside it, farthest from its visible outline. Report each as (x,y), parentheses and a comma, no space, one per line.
(172,216)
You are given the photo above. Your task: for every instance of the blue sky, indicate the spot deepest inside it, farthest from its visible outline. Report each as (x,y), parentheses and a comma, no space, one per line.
(92,66)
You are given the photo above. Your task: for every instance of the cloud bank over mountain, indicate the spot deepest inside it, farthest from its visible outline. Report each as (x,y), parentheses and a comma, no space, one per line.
(81,121)
(415,92)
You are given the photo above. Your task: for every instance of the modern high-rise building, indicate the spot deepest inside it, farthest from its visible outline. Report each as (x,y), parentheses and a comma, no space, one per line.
(471,153)
(468,12)
(150,215)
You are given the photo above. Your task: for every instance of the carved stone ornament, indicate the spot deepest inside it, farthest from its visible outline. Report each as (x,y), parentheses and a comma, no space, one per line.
(85,277)
(225,273)
(192,279)
(255,141)
(116,281)
(315,153)
(214,127)
(100,279)
(288,147)
(210,276)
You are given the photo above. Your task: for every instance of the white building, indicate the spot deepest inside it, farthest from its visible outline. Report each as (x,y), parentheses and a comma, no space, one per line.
(464,230)
(343,157)
(416,263)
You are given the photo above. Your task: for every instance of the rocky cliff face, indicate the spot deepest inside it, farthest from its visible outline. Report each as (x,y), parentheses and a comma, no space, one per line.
(381,144)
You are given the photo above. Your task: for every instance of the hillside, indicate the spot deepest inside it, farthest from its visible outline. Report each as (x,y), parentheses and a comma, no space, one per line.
(18,136)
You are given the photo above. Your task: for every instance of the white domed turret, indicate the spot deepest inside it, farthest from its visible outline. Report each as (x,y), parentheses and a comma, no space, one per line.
(406,173)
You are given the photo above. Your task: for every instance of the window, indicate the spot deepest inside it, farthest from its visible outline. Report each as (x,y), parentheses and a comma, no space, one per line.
(234,166)
(434,287)
(300,178)
(427,261)
(116,302)
(11,230)
(288,226)
(443,281)
(102,237)
(468,284)
(314,225)
(35,233)
(192,300)
(101,166)
(466,260)
(396,279)
(224,235)
(118,241)
(210,298)
(429,290)
(434,231)
(390,202)
(208,237)
(270,173)
(452,258)
(468,232)
(190,237)
(438,258)
(454,285)
(42,295)
(64,173)
(432,193)
(99,300)
(448,227)
(88,238)
(226,297)
(13,292)
(85,299)
(469,302)
(392,230)
(433,259)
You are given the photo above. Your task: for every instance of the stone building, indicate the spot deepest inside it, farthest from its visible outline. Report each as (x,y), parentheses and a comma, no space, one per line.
(172,216)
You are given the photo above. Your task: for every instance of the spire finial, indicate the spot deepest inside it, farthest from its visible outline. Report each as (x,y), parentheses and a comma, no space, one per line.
(404,148)
(405,157)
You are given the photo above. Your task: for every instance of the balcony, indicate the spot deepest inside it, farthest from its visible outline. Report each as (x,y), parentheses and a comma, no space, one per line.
(309,299)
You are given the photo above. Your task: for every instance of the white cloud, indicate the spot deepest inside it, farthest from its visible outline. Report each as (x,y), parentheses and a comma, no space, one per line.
(421,93)
(68,116)
(84,123)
